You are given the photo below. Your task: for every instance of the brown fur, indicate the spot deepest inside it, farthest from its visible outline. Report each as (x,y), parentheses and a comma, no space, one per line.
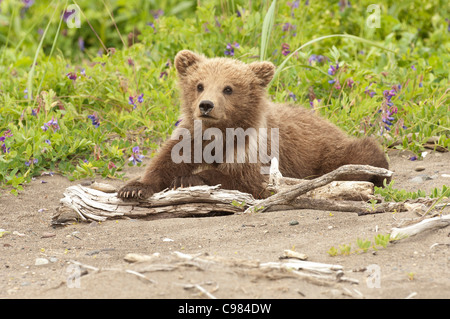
(309,146)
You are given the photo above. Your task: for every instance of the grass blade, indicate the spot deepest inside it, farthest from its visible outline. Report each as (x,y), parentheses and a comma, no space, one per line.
(51,52)
(348,36)
(33,66)
(267,29)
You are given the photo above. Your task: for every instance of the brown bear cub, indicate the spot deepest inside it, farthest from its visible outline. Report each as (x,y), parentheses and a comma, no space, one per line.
(223,137)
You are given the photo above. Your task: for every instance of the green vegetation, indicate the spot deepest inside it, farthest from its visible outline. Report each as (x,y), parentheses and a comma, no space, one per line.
(379,241)
(87,101)
(391,194)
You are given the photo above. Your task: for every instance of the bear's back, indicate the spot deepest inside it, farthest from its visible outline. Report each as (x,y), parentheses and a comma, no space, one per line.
(305,140)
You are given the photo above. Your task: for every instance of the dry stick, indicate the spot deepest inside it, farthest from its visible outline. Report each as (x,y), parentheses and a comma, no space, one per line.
(359,207)
(287,196)
(426,224)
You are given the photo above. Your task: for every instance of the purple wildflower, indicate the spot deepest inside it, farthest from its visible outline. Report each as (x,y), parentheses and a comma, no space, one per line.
(136,157)
(230,48)
(31,161)
(333,69)
(111,165)
(337,86)
(3,138)
(413,158)
(388,94)
(288,27)
(367,90)
(292,96)
(67,14)
(311,103)
(285,49)
(95,120)
(131,102)
(26,94)
(53,124)
(72,76)
(343,4)
(350,83)
(413,67)
(178,122)
(316,58)
(163,74)
(157,13)
(27,3)
(5,149)
(295,4)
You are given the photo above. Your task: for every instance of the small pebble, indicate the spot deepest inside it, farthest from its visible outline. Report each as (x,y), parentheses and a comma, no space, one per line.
(293,222)
(419,168)
(40,261)
(48,235)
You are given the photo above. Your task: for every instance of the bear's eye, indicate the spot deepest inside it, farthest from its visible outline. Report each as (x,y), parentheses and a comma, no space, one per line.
(200,87)
(227,90)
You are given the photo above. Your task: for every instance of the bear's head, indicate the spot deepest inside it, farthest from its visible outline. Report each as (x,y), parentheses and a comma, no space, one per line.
(222,92)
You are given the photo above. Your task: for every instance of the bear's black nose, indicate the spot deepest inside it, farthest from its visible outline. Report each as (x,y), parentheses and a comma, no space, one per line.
(206,107)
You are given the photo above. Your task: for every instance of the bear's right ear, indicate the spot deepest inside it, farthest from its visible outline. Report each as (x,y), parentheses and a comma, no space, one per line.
(264,71)
(185,59)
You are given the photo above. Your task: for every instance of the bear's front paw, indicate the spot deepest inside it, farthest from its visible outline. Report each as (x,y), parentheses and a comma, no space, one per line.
(135,190)
(187,181)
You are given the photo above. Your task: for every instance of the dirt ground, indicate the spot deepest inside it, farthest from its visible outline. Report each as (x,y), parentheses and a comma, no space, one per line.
(414,267)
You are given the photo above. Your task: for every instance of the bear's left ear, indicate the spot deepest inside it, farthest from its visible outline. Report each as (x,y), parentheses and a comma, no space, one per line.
(264,71)
(185,59)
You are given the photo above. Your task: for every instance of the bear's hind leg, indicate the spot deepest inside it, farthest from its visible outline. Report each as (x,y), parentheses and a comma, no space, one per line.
(366,151)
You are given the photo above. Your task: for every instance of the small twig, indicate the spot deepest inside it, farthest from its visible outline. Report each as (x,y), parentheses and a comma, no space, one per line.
(206,292)
(140,275)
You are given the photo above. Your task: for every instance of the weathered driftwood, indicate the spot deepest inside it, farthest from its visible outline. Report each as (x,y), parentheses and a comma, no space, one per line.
(287,197)
(85,203)
(426,224)
(91,203)
(336,190)
(361,208)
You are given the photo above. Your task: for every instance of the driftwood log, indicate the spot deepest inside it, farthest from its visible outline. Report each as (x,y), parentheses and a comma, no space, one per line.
(425,224)
(99,202)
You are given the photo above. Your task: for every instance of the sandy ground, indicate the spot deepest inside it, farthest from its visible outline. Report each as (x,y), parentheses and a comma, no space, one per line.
(413,267)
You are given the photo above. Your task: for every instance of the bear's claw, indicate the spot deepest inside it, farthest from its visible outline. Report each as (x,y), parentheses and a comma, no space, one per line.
(135,191)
